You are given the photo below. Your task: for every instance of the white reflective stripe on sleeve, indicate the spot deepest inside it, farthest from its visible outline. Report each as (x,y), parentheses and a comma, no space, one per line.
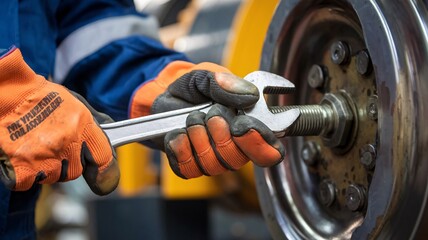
(88,39)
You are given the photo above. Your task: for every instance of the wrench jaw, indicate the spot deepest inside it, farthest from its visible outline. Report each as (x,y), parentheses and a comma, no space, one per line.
(277,122)
(266,80)
(269,83)
(285,120)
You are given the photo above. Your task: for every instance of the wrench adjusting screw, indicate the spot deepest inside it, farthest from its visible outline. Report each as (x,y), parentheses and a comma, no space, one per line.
(355,198)
(339,52)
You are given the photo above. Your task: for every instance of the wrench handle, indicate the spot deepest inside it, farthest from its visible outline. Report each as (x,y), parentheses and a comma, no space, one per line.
(148,127)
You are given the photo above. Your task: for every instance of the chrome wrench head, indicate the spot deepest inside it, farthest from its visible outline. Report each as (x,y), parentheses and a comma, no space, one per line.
(269,83)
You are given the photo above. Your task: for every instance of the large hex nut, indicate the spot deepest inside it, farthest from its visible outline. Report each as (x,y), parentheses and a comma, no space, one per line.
(342,120)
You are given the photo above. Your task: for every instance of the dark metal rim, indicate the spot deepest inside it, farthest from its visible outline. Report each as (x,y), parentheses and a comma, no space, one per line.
(396,37)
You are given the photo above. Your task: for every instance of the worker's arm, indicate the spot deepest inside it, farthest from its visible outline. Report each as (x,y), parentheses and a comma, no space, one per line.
(106,50)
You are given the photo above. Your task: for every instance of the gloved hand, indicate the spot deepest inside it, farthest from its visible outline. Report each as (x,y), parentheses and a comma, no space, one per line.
(214,142)
(47,135)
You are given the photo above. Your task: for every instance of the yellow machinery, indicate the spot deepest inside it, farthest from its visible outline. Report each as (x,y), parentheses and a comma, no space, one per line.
(243,54)
(137,170)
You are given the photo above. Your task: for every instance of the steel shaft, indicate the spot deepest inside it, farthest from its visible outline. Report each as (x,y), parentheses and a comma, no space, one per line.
(332,119)
(313,120)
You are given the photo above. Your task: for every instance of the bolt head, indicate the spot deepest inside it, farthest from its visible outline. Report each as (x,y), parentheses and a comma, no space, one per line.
(339,52)
(368,156)
(371,108)
(364,65)
(310,153)
(327,193)
(316,76)
(355,198)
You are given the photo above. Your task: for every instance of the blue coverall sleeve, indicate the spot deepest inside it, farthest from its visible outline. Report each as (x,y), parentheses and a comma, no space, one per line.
(106,50)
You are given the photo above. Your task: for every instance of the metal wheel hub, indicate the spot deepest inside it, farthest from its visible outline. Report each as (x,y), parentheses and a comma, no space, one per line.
(373,178)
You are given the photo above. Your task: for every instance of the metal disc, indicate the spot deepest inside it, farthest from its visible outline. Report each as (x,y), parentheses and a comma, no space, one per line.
(394,35)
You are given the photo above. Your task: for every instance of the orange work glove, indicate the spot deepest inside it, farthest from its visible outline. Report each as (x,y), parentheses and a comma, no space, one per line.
(47,135)
(214,142)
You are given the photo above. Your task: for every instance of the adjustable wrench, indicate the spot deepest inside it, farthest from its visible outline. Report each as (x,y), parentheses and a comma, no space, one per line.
(147,127)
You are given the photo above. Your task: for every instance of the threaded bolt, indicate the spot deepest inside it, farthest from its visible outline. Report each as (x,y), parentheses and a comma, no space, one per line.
(331,119)
(313,120)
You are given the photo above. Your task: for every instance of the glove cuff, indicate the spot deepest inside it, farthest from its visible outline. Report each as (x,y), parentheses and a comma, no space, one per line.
(144,96)
(17,80)
(146,93)
(14,68)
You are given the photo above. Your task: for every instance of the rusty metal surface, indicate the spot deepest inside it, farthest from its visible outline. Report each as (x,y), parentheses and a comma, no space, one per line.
(394,35)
